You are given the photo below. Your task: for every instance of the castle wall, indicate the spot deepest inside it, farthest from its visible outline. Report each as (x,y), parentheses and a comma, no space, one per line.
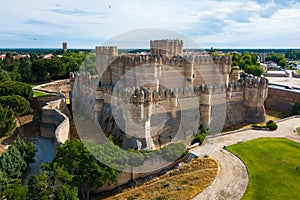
(281,100)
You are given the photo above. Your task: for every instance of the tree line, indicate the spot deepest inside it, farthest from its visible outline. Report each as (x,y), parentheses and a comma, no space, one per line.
(247,62)
(34,68)
(293,54)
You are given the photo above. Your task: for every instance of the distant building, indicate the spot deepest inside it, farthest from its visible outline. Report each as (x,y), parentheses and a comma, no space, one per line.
(65,46)
(2,57)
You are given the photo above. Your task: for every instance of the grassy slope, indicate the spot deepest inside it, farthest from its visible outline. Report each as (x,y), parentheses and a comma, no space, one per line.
(41,94)
(182,184)
(271,164)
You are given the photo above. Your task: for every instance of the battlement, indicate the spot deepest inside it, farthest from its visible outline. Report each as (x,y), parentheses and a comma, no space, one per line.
(256,82)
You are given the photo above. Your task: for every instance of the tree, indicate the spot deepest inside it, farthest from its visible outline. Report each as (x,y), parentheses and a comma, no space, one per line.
(11,65)
(12,163)
(26,149)
(4,75)
(16,191)
(8,88)
(52,183)
(40,70)
(254,70)
(88,173)
(18,104)
(4,181)
(25,70)
(277,58)
(293,54)
(7,121)
(56,68)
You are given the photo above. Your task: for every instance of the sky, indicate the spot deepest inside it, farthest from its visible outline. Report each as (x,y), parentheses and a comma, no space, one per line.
(210,23)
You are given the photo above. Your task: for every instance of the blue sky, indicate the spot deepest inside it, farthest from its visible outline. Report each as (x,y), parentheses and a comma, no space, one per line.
(84,24)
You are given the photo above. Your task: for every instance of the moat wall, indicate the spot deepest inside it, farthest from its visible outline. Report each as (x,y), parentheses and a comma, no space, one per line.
(55,124)
(281,100)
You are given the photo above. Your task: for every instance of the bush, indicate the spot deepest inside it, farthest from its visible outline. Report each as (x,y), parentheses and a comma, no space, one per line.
(272,126)
(198,138)
(296,108)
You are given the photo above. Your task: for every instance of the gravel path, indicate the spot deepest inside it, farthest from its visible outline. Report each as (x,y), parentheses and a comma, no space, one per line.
(232,179)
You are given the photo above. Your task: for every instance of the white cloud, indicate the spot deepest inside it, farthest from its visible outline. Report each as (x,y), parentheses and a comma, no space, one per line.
(249,23)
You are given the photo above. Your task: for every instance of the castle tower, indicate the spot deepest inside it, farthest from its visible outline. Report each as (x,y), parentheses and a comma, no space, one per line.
(224,65)
(166,47)
(65,46)
(205,105)
(256,91)
(137,121)
(105,55)
(234,74)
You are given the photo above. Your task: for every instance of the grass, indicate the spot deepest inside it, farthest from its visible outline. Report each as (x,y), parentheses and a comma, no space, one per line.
(298,130)
(297,71)
(41,94)
(271,164)
(183,183)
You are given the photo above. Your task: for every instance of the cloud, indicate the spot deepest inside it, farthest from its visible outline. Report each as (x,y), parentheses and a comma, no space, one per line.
(43,23)
(78,12)
(219,23)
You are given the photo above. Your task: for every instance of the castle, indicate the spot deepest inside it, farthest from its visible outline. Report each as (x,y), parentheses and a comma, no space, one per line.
(146,101)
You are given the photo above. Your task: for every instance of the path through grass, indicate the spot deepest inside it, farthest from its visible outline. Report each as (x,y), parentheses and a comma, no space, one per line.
(271,163)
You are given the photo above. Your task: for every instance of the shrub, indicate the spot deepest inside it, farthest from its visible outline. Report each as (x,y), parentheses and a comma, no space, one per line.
(199,138)
(272,126)
(296,108)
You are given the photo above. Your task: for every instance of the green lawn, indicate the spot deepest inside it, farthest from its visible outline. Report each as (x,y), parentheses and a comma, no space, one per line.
(271,163)
(298,130)
(41,94)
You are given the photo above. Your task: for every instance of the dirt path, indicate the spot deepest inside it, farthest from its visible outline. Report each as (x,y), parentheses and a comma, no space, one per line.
(232,179)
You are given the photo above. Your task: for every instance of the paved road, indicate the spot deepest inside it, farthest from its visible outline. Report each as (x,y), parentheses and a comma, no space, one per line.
(232,179)
(289,81)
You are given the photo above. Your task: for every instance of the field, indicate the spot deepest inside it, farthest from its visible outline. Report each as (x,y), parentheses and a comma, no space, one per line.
(272,167)
(183,183)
